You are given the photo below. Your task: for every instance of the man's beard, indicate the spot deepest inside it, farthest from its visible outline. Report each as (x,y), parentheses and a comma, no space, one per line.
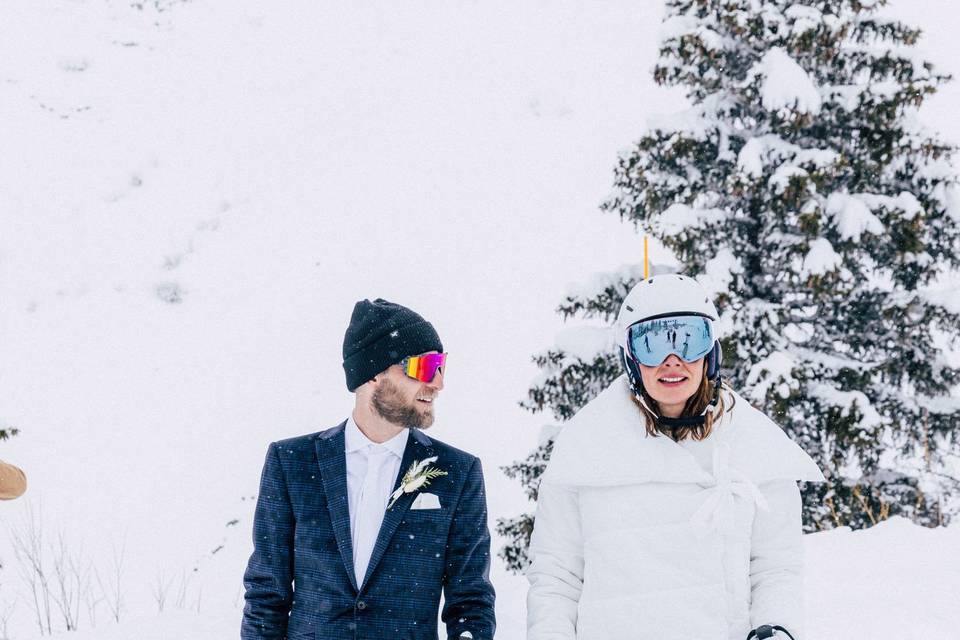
(389,405)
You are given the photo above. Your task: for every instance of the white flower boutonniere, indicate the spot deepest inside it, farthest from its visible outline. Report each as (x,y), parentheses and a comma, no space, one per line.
(417,476)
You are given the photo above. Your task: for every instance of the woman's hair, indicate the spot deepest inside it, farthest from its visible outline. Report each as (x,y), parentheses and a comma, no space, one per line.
(695,406)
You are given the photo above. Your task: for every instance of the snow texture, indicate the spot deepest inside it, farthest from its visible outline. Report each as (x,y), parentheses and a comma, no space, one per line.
(770,149)
(785,85)
(893,581)
(750,158)
(585,343)
(847,401)
(820,259)
(678,217)
(775,369)
(598,282)
(852,216)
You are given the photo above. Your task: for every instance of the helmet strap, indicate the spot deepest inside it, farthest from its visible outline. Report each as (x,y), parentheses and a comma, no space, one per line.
(684,421)
(688,421)
(717,383)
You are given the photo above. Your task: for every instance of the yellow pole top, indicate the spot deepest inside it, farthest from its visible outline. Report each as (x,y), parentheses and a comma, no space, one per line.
(646,256)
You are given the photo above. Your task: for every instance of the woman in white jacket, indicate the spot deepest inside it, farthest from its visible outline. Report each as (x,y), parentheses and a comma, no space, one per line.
(670,508)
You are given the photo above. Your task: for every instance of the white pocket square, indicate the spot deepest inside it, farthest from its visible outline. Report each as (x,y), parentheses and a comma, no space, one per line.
(426,501)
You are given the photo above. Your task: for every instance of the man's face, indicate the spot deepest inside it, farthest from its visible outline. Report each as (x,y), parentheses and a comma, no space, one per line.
(404,401)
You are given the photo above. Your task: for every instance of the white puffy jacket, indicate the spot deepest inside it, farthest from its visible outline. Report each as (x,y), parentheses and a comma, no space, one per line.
(634,539)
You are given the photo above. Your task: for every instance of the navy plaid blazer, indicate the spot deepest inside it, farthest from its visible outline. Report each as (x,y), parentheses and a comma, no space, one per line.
(300,581)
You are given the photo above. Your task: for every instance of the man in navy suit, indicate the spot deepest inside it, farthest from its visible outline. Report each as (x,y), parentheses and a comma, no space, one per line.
(360,527)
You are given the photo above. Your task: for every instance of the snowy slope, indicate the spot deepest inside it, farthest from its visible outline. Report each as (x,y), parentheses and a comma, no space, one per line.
(193,195)
(896,580)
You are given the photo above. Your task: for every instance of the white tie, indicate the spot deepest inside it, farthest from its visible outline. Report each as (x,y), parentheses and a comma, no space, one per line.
(370,510)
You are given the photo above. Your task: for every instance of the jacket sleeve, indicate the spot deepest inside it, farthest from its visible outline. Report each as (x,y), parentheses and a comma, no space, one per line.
(556,565)
(776,559)
(467,591)
(12,481)
(269,575)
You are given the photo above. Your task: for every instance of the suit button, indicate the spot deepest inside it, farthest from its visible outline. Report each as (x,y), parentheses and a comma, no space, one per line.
(361,605)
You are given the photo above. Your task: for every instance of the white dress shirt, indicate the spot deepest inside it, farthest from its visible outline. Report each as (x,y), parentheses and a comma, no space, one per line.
(372,470)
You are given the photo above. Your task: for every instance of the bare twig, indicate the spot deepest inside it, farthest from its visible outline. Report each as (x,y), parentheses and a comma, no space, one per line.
(27,540)
(160,590)
(72,576)
(182,589)
(113,591)
(92,599)
(7,607)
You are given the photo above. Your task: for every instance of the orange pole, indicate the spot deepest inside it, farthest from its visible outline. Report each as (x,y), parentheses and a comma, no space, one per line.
(646,257)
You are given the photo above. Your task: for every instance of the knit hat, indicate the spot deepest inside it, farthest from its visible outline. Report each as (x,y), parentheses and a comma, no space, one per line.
(381,334)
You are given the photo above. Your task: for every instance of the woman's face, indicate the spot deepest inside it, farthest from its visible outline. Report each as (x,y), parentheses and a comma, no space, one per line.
(672,383)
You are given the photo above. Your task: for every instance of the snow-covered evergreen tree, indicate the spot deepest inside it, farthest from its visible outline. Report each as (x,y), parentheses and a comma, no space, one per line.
(803,191)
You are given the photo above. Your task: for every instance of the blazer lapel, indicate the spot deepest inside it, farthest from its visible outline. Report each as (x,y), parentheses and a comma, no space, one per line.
(331,453)
(418,447)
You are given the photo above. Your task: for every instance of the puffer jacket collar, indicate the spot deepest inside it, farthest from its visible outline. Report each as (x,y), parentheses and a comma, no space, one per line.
(606,444)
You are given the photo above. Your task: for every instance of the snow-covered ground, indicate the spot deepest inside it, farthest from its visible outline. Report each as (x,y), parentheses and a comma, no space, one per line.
(194,194)
(895,580)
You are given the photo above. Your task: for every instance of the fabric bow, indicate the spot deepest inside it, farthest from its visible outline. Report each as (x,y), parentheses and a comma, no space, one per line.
(716,512)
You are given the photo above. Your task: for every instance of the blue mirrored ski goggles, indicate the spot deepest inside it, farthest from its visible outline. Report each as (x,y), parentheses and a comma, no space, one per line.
(651,341)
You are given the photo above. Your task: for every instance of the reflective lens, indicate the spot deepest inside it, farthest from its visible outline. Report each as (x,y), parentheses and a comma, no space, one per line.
(651,341)
(424,368)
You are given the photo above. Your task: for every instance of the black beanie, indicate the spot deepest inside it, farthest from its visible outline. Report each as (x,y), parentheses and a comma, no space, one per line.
(381,334)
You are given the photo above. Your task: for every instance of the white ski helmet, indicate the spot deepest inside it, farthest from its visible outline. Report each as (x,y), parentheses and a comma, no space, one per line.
(664,295)
(668,294)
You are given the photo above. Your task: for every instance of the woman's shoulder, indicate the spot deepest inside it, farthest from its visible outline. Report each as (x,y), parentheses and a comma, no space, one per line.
(606,443)
(761,448)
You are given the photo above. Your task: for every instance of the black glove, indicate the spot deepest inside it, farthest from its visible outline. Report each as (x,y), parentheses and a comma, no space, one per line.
(765,631)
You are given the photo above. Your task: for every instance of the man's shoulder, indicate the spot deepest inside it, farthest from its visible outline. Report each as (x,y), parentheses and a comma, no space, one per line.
(307,442)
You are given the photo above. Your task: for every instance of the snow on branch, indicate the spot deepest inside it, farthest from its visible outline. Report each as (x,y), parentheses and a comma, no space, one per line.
(785,86)
(585,343)
(680,26)
(803,18)
(775,369)
(947,297)
(828,364)
(680,217)
(719,271)
(950,195)
(771,149)
(782,177)
(945,405)
(600,295)
(820,259)
(852,216)
(848,402)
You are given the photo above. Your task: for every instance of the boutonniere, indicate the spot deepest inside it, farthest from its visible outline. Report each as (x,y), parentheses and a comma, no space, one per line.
(417,476)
